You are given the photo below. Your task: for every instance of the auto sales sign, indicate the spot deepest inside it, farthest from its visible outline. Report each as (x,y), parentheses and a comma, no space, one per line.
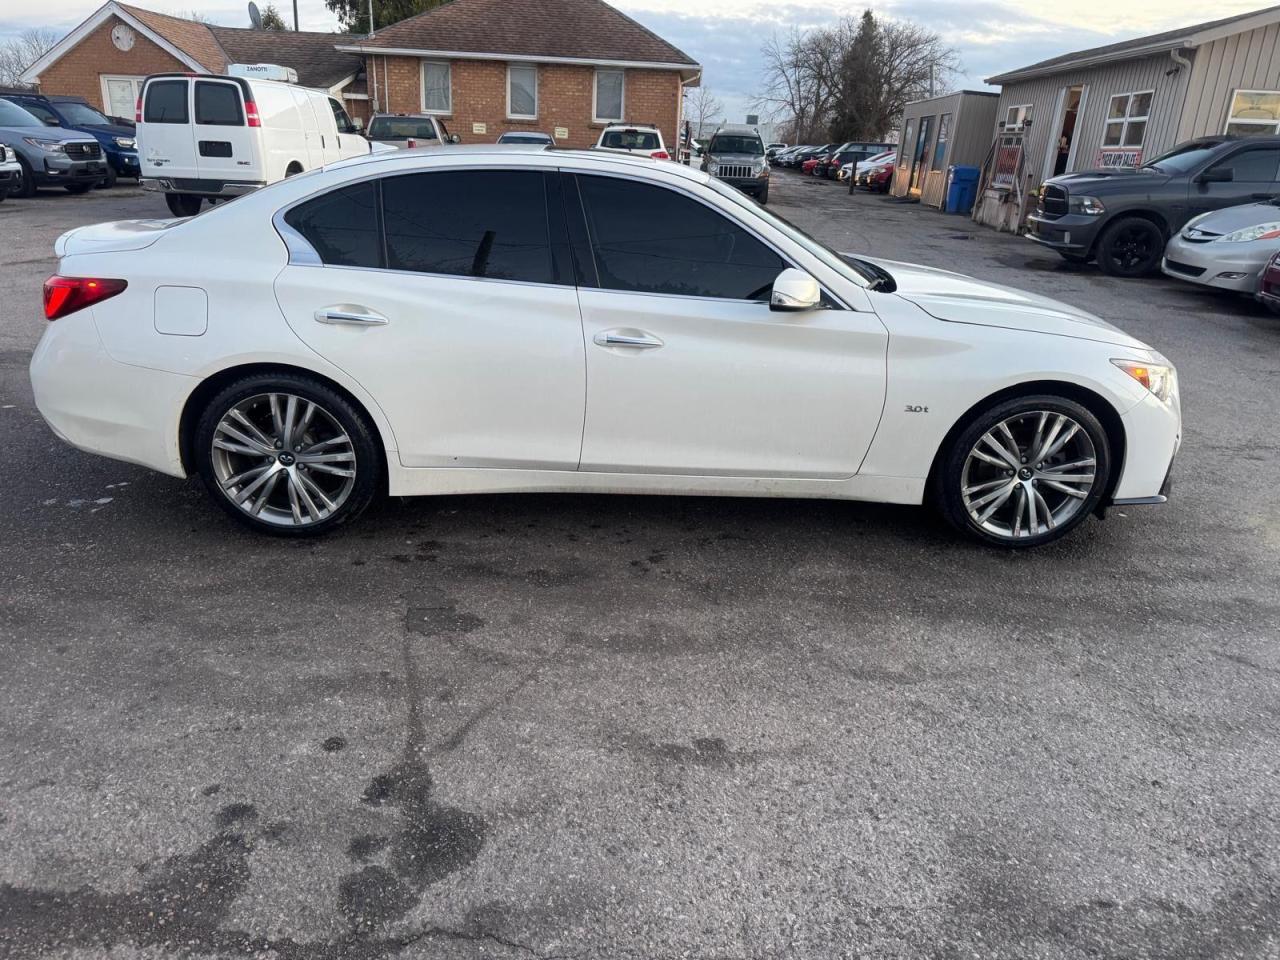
(1120,158)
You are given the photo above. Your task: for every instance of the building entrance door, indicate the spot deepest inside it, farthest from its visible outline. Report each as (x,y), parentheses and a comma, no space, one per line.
(1062,148)
(918,162)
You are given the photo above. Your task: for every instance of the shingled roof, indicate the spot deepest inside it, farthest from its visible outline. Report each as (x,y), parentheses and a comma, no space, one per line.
(190,36)
(580,30)
(313,55)
(1156,43)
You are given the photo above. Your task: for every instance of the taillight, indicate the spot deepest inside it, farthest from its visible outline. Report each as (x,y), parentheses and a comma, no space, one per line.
(64,295)
(137,111)
(660,155)
(251,114)
(411,143)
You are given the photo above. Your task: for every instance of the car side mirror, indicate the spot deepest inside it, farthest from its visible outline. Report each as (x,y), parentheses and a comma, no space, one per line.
(794,290)
(1217,175)
(51,122)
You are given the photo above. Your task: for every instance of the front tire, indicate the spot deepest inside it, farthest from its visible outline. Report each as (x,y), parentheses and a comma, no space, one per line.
(26,186)
(109,179)
(288,455)
(763,196)
(1024,472)
(1131,247)
(183,204)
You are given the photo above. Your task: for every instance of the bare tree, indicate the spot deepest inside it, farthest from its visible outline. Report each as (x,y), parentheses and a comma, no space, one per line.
(701,109)
(18,53)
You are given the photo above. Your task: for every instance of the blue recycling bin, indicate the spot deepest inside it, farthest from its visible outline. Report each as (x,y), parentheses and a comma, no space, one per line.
(962,188)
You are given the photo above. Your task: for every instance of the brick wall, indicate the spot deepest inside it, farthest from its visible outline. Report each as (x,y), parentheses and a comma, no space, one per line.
(79,72)
(564,98)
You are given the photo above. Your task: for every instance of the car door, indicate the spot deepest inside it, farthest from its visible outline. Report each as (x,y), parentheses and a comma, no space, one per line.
(688,369)
(444,295)
(1254,174)
(349,141)
(226,148)
(166,136)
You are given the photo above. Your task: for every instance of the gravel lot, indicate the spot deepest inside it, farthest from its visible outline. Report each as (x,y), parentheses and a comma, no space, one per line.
(647,727)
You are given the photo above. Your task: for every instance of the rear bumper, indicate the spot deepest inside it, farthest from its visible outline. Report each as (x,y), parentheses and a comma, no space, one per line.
(204,188)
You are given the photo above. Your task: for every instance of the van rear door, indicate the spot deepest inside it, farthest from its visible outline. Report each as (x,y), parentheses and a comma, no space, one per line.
(166,140)
(226,145)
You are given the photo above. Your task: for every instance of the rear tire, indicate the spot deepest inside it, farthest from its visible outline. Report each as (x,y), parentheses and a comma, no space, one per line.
(1010,479)
(183,204)
(109,180)
(259,470)
(1131,247)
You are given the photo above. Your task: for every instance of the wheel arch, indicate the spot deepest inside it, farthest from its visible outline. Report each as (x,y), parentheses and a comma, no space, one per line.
(202,394)
(1092,401)
(1138,213)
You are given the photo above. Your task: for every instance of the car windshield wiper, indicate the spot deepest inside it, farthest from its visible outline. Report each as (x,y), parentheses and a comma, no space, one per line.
(881,279)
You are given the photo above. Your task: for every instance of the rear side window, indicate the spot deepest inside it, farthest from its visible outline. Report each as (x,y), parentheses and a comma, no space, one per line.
(649,239)
(469,223)
(166,102)
(218,104)
(342,225)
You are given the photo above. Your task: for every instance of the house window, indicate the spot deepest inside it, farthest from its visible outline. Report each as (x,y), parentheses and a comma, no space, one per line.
(522,91)
(607,104)
(1253,112)
(1127,119)
(1017,117)
(437,87)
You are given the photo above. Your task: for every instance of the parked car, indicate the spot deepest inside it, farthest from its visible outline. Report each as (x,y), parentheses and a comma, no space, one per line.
(818,158)
(530,136)
(780,158)
(636,139)
(877,178)
(885,156)
(1269,284)
(854,152)
(1124,217)
(408,130)
(797,157)
(115,135)
(296,382)
(1225,248)
(214,138)
(771,150)
(736,156)
(49,156)
(10,171)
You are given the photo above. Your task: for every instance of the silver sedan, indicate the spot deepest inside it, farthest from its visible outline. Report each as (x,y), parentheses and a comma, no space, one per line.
(1225,248)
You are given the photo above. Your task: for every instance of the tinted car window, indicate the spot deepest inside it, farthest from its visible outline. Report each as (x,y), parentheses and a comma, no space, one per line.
(218,104)
(166,102)
(654,240)
(630,140)
(401,128)
(1252,166)
(81,113)
(41,112)
(469,223)
(342,225)
(729,144)
(12,115)
(1185,157)
(525,138)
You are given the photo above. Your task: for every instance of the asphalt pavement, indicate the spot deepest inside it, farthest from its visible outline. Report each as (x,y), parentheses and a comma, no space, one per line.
(647,727)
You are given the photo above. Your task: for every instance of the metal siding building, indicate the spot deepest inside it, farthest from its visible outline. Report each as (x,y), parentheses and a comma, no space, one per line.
(972,115)
(1192,75)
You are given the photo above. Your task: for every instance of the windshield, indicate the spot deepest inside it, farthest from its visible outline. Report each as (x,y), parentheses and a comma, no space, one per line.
(12,115)
(401,128)
(630,140)
(726,143)
(81,113)
(524,138)
(861,275)
(1185,157)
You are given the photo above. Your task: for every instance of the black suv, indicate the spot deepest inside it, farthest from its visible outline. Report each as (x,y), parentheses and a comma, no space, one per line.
(1124,216)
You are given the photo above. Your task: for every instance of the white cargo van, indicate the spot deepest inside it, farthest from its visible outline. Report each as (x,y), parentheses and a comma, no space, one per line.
(204,137)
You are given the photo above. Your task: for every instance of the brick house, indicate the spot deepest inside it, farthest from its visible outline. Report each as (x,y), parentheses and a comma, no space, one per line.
(564,67)
(107,56)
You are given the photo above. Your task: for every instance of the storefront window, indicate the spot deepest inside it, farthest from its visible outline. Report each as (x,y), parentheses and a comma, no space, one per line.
(940,146)
(1254,112)
(1017,117)
(1127,118)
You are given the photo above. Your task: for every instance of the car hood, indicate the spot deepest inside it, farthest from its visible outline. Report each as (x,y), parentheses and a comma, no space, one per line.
(1106,180)
(745,158)
(956,298)
(1230,219)
(110,129)
(60,134)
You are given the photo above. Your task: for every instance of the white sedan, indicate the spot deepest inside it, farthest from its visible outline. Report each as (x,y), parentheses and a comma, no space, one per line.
(482,319)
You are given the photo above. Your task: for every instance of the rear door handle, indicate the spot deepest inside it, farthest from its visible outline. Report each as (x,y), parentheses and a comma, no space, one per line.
(617,338)
(350,315)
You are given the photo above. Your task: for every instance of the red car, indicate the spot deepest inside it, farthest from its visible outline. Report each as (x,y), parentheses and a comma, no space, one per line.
(810,165)
(880,177)
(1269,285)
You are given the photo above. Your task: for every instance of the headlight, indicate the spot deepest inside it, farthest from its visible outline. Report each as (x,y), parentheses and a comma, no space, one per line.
(1159,378)
(126,143)
(53,146)
(763,171)
(1262,231)
(1089,206)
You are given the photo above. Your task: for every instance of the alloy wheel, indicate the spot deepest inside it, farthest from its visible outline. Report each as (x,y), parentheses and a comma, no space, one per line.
(283,459)
(1132,247)
(1028,474)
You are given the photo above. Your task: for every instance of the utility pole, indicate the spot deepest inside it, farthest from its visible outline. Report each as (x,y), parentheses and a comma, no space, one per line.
(370,17)
(295,16)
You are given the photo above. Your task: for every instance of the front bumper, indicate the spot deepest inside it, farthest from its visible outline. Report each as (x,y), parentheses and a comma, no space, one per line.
(204,188)
(1153,436)
(10,172)
(751,185)
(1226,266)
(57,169)
(125,163)
(102,406)
(1072,233)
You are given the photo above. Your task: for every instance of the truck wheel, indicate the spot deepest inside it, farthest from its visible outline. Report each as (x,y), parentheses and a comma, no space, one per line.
(763,196)
(108,181)
(183,204)
(1131,247)
(26,185)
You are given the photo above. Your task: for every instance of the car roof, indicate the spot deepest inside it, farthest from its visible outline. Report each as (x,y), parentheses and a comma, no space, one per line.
(738,130)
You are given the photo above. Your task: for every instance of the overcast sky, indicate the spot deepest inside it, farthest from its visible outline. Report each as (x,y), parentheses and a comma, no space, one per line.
(725,35)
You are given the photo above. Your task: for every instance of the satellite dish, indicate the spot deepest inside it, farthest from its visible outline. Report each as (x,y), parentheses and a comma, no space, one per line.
(255,16)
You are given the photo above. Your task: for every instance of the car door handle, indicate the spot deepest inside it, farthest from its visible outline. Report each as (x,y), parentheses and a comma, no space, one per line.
(616,338)
(353,316)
